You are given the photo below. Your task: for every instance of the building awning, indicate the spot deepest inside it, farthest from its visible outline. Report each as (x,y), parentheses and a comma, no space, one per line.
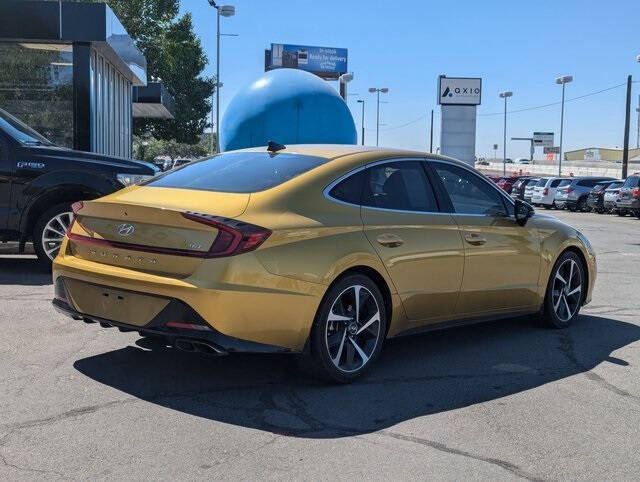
(67,22)
(153,101)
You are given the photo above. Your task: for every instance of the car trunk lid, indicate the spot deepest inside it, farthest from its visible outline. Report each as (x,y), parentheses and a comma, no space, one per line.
(131,229)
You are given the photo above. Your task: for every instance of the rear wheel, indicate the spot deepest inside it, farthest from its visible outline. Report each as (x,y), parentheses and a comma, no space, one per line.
(349,329)
(582,205)
(565,291)
(49,231)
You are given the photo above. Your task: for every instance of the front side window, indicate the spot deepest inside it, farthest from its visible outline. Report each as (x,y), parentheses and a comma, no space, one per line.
(401,185)
(469,193)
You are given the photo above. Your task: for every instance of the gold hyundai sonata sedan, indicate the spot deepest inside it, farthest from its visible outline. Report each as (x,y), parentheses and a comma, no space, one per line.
(321,250)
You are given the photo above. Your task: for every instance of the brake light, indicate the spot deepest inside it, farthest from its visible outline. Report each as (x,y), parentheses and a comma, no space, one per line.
(545,191)
(234,237)
(636,192)
(75,207)
(570,189)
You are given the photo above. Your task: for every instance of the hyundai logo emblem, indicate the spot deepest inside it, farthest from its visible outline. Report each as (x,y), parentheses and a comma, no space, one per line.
(126,229)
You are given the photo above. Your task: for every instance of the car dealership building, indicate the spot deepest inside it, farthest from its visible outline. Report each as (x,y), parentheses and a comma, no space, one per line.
(71,72)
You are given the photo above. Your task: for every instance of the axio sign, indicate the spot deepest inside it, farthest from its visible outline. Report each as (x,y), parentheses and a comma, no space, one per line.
(459,91)
(318,60)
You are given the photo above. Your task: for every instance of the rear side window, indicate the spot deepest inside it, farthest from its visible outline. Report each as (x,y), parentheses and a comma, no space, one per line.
(632,181)
(564,182)
(555,182)
(349,190)
(542,183)
(239,172)
(399,185)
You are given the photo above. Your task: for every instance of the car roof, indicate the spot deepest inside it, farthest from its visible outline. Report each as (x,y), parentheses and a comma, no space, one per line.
(333,151)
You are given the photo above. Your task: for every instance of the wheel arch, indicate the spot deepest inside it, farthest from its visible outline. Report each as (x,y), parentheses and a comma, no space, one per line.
(61,194)
(585,266)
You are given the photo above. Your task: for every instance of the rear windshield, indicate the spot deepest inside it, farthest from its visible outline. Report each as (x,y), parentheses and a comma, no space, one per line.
(615,185)
(240,172)
(632,181)
(599,187)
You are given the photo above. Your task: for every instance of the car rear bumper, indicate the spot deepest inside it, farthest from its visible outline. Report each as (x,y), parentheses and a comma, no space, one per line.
(628,203)
(243,301)
(202,339)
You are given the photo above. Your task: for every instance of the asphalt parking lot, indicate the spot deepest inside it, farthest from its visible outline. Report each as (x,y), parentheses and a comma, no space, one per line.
(504,400)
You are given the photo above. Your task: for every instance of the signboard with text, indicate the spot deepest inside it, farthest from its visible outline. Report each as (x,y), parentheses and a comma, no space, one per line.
(543,139)
(327,62)
(551,150)
(459,91)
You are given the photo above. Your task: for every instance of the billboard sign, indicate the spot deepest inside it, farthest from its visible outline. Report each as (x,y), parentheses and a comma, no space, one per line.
(459,90)
(543,139)
(327,62)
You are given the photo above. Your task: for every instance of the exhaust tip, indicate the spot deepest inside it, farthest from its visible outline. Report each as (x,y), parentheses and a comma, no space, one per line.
(184,345)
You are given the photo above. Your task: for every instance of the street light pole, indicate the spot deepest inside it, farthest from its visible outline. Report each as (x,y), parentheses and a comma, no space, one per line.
(505,95)
(384,90)
(225,11)
(361,101)
(565,79)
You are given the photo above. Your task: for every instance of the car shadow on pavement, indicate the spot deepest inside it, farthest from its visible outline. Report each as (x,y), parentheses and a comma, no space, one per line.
(22,270)
(415,376)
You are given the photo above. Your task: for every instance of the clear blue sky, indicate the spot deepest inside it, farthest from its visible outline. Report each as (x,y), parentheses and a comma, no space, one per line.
(404,45)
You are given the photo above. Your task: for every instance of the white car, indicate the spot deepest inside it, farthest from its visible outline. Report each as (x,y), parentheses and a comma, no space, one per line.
(544,193)
(522,160)
(611,194)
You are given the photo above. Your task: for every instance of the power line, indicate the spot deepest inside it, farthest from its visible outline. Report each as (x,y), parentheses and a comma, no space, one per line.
(555,103)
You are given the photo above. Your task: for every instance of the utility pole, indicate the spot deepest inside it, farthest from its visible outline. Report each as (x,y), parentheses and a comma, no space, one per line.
(361,101)
(638,135)
(431,135)
(627,121)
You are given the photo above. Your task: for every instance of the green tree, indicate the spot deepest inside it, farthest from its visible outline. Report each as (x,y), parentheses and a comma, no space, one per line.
(175,55)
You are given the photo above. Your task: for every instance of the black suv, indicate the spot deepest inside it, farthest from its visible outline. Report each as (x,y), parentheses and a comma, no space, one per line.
(39,181)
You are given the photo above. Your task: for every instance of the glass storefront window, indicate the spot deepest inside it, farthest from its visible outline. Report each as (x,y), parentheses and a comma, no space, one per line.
(36,86)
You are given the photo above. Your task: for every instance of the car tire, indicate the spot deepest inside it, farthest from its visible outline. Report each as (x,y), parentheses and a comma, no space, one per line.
(49,231)
(582,205)
(621,212)
(346,338)
(637,213)
(546,206)
(565,293)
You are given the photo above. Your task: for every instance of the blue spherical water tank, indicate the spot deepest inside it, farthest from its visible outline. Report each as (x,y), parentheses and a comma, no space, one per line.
(287,106)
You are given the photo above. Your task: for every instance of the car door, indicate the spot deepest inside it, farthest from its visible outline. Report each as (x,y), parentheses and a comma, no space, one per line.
(502,258)
(6,173)
(419,245)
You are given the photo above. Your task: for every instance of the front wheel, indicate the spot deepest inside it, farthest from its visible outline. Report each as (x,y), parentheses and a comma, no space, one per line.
(349,329)
(565,291)
(49,231)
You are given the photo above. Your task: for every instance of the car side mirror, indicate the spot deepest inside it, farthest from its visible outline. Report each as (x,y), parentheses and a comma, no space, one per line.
(523,211)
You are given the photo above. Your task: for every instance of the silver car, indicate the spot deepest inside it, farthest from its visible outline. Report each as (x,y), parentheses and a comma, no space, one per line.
(610,196)
(528,191)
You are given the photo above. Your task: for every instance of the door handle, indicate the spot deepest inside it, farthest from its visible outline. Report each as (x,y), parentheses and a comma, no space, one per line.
(390,240)
(474,239)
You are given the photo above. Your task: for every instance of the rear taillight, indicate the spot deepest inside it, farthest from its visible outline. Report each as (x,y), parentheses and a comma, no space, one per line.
(75,207)
(636,192)
(234,237)
(570,189)
(545,191)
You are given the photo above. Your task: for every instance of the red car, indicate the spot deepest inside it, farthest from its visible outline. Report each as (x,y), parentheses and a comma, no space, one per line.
(507,183)
(494,178)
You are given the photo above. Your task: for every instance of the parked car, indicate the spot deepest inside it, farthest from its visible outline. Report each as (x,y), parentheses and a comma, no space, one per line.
(595,200)
(40,180)
(522,160)
(327,233)
(545,192)
(506,183)
(483,162)
(629,197)
(528,190)
(611,195)
(574,194)
(180,162)
(494,178)
(517,191)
